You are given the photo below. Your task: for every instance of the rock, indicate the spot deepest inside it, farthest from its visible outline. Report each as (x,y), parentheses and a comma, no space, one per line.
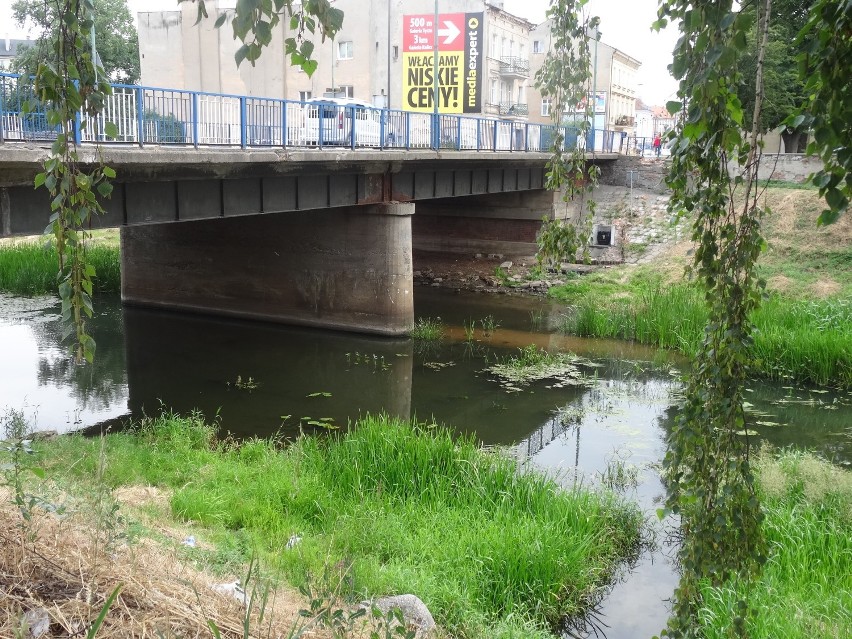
(495,256)
(438,280)
(478,256)
(234,590)
(293,542)
(506,265)
(38,622)
(418,274)
(414,612)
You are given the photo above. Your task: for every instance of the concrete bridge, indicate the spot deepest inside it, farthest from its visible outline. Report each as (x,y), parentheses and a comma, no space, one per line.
(314,236)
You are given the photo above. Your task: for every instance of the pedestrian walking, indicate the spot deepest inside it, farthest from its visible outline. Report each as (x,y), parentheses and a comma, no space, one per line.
(658,145)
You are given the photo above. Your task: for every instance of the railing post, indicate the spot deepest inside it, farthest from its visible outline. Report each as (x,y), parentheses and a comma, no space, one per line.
(407,130)
(3,115)
(243,122)
(384,115)
(140,116)
(526,136)
(284,123)
(78,134)
(494,148)
(352,123)
(194,118)
(435,134)
(459,133)
(478,134)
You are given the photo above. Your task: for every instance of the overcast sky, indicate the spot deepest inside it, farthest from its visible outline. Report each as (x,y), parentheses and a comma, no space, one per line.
(625,24)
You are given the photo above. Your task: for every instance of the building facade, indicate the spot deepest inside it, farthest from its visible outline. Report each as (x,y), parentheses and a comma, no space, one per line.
(379,56)
(613,83)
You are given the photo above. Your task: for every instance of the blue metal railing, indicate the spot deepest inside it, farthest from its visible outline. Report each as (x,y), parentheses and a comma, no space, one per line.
(152,115)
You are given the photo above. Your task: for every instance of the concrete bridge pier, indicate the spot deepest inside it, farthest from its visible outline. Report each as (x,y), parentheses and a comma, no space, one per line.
(347,268)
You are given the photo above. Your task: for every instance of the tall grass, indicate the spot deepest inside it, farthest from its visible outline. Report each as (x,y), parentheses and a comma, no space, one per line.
(806,587)
(666,316)
(493,549)
(808,340)
(31,268)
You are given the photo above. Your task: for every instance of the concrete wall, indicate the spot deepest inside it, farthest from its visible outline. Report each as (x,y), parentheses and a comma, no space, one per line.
(785,167)
(348,268)
(649,173)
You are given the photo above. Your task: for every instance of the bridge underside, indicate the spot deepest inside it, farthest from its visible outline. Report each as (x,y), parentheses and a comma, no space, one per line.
(323,240)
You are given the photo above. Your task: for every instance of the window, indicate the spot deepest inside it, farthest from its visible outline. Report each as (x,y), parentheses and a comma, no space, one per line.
(545,107)
(538,47)
(343,91)
(344,50)
(495,52)
(305,95)
(495,96)
(522,52)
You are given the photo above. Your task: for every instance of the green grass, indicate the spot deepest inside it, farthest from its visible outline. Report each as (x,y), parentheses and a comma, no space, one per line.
(805,339)
(493,550)
(31,268)
(805,588)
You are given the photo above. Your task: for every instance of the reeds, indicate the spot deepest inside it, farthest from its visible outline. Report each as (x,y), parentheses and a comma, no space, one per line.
(31,268)
(806,340)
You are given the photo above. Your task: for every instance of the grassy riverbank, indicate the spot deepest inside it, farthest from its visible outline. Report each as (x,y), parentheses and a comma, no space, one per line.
(388,507)
(30,268)
(804,327)
(807,580)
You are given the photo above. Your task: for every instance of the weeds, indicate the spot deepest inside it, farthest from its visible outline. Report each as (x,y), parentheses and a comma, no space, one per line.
(427,329)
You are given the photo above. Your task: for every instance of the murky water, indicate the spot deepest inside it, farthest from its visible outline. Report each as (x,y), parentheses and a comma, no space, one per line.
(261,379)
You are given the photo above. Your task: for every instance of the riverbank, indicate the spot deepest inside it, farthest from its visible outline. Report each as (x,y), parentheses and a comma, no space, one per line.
(387,508)
(168,511)
(803,329)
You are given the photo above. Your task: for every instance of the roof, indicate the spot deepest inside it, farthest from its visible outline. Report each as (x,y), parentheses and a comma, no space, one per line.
(9,46)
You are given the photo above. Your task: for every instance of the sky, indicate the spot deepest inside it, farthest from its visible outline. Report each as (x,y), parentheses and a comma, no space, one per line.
(625,24)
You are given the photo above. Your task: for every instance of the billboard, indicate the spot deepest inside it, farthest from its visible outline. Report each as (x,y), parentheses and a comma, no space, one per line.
(459,62)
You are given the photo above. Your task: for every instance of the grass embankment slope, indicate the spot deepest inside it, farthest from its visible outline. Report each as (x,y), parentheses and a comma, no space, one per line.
(28,266)
(806,587)
(804,327)
(387,508)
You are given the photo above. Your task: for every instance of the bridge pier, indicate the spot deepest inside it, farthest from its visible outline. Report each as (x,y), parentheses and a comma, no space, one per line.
(347,268)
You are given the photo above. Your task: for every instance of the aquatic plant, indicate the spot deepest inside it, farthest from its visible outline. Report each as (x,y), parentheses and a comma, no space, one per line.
(427,329)
(534,364)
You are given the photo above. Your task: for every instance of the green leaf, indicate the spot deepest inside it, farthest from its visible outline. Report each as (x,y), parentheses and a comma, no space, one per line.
(221,20)
(674,106)
(111,130)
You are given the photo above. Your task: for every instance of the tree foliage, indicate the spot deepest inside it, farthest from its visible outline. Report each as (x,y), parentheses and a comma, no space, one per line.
(709,477)
(784,90)
(116,41)
(826,49)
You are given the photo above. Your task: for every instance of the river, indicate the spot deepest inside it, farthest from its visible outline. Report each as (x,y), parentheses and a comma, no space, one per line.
(262,379)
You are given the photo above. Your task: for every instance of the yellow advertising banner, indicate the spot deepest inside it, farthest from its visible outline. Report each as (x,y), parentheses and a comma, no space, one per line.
(459,38)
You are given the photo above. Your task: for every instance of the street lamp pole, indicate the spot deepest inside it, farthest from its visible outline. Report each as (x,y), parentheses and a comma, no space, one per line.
(436,135)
